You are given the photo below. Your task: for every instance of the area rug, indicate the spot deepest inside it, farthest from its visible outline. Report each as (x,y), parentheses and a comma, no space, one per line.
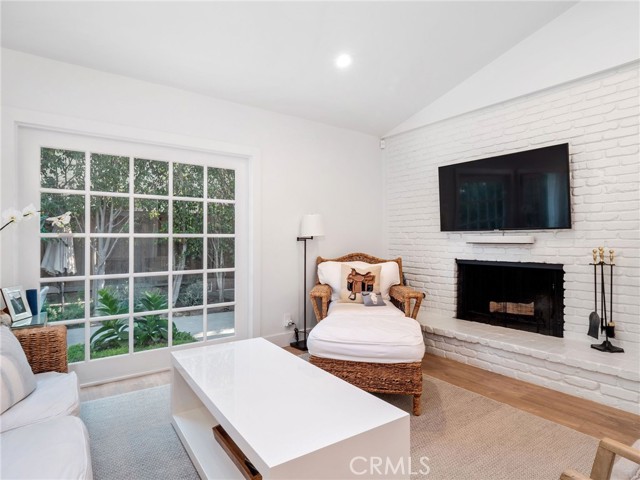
(459,436)
(132,437)
(467,436)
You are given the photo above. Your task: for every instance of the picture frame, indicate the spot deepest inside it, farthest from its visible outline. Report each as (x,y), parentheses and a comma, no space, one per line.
(15,300)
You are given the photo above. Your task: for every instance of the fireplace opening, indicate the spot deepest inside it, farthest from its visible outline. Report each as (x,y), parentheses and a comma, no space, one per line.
(518,295)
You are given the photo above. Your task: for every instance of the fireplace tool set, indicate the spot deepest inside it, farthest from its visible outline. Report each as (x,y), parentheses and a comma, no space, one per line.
(601,323)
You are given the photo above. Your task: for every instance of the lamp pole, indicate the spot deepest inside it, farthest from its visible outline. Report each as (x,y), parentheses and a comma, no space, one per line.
(302,344)
(310,226)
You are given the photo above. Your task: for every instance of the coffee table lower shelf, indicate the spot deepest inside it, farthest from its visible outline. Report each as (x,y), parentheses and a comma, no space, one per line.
(211,461)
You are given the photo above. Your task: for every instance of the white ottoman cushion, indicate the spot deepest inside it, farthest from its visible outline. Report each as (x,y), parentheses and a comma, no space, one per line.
(56,395)
(367,338)
(55,449)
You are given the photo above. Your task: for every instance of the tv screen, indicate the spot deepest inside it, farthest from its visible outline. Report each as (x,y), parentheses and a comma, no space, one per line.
(525,190)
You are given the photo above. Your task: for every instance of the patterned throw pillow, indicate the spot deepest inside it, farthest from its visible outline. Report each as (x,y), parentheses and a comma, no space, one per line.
(373,299)
(358,280)
(18,379)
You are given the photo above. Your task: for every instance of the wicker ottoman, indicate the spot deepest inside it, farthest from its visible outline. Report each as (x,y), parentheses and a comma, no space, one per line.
(381,354)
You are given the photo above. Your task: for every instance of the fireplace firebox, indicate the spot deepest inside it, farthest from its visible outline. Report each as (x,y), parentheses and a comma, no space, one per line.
(518,295)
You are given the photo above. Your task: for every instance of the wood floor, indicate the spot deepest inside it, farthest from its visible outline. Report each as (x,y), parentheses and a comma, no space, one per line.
(582,415)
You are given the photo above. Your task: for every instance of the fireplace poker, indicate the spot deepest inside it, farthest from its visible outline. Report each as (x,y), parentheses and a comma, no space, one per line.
(603,294)
(594,318)
(611,332)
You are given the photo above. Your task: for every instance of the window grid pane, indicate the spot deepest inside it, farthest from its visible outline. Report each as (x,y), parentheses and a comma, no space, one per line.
(143,288)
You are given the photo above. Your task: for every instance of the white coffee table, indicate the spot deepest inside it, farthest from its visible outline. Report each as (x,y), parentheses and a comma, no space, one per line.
(290,418)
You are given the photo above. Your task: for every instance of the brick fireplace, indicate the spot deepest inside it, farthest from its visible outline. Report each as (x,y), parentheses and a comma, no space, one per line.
(524,296)
(598,117)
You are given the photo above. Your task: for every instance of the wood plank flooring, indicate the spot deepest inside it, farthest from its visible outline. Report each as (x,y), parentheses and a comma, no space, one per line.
(582,415)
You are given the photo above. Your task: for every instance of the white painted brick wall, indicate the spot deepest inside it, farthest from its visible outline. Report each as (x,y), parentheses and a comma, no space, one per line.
(599,117)
(607,387)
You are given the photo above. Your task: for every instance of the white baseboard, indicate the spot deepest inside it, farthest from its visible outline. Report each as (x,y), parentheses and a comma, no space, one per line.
(282,339)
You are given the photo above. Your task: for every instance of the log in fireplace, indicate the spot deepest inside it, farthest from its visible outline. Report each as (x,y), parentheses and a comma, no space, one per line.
(518,295)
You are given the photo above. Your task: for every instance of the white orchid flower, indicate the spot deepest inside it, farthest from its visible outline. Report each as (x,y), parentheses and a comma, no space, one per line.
(12,215)
(29,211)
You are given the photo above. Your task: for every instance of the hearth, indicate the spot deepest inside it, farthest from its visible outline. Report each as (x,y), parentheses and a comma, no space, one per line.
(518,295)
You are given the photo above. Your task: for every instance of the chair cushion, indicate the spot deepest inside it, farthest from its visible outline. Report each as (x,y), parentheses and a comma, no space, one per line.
(354,309)
(18,380)
(56,395)
(55,449)
(625,469)
(367,338)
(330,273)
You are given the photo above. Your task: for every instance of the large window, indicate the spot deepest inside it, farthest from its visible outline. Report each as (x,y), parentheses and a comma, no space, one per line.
(147,258)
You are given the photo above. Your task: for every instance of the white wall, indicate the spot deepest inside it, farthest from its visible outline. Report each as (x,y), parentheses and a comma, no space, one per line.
(588,38)
(599,117)
(306,167)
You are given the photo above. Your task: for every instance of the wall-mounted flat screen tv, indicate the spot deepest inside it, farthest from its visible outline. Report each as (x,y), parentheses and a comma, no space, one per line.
(521,191)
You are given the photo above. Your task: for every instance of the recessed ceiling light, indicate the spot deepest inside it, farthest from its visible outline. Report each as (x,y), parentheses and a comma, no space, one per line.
(343,60)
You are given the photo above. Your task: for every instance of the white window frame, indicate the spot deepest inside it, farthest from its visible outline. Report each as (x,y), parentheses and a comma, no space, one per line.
(139,143)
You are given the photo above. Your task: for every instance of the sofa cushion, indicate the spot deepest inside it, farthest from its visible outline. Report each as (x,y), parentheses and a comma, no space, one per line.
(330,273)
(55,449)
(18,380)
(372,338)
(56,395)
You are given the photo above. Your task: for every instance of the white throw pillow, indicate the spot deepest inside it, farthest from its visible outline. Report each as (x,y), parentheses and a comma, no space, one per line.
(18,379)
(329,273)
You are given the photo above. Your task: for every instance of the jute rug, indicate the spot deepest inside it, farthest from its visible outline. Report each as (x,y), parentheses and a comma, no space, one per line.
(467,436)
(132,437)
(462,434)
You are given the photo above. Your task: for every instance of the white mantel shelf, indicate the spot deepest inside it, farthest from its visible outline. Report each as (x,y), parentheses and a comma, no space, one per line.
(502,239)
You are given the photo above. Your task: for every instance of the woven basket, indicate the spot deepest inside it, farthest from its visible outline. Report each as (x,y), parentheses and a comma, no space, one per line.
(45,348)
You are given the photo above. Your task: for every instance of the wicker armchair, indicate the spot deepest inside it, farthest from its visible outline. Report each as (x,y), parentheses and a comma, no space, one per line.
(402,296)
(393,378)
(603,462)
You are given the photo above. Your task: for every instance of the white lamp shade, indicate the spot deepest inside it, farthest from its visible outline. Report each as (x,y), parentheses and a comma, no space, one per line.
(311,226)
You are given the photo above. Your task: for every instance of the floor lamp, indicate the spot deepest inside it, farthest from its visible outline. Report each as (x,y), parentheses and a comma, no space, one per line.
(311,226)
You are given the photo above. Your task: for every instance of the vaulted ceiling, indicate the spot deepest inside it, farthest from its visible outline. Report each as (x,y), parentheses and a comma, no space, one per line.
(280,55)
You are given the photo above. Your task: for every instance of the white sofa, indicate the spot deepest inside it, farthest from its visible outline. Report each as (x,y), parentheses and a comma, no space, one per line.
(41,435)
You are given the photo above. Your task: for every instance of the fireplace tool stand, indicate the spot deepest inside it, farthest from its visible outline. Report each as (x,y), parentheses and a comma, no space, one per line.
(606,324)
